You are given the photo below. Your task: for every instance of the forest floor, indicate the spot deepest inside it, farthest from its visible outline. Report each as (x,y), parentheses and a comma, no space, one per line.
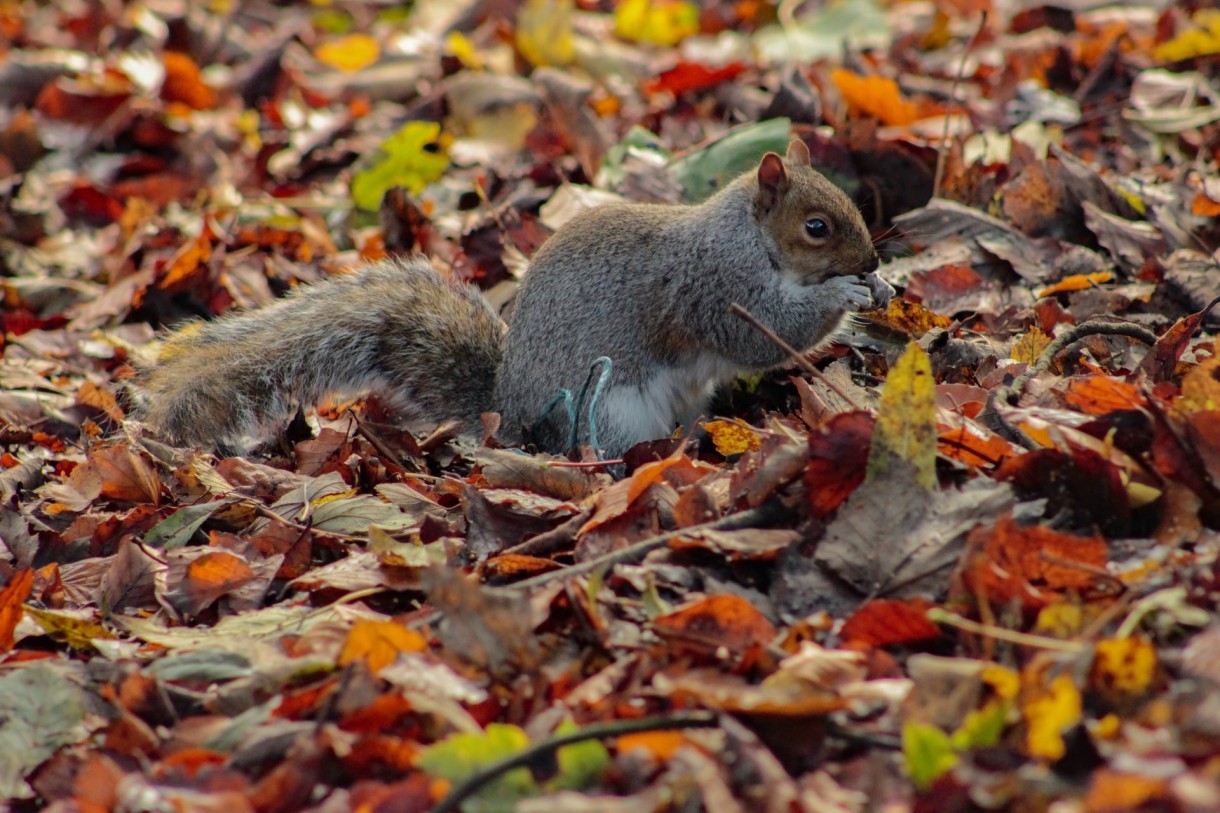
(963,559)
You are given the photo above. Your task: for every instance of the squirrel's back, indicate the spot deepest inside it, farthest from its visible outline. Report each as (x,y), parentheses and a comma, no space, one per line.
(430,346)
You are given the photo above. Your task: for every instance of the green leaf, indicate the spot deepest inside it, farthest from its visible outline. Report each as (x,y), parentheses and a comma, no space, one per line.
(581,764)
(179,527)
(928,753)
(459,755)
(411,158)
(705,171)
(639,143)
(983,727)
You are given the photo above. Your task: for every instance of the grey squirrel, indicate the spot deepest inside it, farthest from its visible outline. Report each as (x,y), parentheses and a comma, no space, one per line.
(646,285)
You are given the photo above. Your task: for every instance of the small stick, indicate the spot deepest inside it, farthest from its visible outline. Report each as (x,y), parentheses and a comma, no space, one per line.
(797,356)
(944,138)
(596,731)
(939,616)
(761,515)
(1070,337)
(1011,394)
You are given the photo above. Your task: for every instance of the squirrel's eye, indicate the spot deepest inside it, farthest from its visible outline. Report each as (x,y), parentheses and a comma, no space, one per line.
(817,228)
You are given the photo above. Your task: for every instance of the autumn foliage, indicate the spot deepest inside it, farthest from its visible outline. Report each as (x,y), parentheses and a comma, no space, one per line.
(964,558)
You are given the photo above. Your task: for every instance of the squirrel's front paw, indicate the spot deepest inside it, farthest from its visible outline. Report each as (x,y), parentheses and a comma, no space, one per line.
(851,293)
(881,290)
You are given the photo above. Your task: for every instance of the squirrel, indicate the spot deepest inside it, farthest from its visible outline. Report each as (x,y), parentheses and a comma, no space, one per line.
(647,286)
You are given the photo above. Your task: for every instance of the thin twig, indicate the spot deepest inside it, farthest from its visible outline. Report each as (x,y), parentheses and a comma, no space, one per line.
(751,517)
(1011,395)
(1068,338)
(544,748)
(797,356)
(548,542)
(939,616)
(957,80)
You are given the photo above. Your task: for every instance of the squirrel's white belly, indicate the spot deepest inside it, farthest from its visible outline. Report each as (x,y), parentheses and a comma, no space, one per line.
(670,398)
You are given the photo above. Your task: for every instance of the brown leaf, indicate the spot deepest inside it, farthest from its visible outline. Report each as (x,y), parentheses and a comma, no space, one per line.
(126,474)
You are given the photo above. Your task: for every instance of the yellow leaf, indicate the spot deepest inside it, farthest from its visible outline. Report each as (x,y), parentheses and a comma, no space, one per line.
(461,47)
(1030,346)
(1107,728)
(378,643)
(732,438)
(1060,620)
(1048,712)
(544,32)
(874,96)
(78,633)
(1124,666)
(1004,682)
(1200,387)
(659,22)
(350,53)
(906,419)
(1193,42)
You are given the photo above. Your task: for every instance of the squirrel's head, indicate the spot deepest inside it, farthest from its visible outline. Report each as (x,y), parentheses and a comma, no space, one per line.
(816,228)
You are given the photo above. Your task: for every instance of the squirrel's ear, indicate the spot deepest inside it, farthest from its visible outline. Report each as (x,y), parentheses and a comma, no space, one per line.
(798,153)
(772,180)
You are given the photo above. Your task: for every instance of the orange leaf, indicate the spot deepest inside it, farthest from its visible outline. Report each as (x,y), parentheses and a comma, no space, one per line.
(12,598)
(883,622)
(1099,395)
(721,621)
(1204,206)
(184,83)
(677,470)
(378,643)
(874,96)
(1076,282)
(190,263)
(1110,790)
(1030,563)
(218,572)
(91,394)
(660,744)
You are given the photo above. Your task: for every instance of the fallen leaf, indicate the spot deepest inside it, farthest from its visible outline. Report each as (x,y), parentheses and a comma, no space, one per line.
(874,96)
(731,437)
(378,643)
(906,420)
(350,53)
(12,601)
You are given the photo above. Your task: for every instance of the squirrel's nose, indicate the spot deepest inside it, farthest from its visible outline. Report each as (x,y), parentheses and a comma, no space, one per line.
(872,263)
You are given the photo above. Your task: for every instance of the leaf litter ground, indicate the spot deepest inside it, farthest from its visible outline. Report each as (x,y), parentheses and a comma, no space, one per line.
(964,559)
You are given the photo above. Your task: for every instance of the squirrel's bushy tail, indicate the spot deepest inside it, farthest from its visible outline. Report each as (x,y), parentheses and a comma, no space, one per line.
(397,327)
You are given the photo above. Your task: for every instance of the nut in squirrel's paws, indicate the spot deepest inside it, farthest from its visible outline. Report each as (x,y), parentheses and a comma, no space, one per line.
(881,290)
